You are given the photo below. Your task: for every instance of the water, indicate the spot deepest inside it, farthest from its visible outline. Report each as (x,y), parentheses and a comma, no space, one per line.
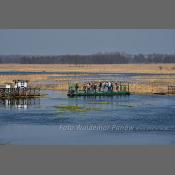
(135,119)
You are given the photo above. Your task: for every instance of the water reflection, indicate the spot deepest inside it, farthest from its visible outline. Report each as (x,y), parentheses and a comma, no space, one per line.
(21,103)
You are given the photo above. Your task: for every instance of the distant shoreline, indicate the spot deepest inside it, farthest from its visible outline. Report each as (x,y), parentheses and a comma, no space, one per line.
(100,58)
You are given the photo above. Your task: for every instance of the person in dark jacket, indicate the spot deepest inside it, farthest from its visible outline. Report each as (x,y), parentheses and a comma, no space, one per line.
(100,86)
(76,87)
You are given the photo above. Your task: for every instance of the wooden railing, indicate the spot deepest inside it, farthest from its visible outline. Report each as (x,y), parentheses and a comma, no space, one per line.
(19,92)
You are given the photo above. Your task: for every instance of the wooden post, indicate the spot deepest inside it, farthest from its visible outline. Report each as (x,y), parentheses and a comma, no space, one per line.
(168,90)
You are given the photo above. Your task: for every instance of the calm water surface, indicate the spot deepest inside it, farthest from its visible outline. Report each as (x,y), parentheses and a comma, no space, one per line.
(135,119)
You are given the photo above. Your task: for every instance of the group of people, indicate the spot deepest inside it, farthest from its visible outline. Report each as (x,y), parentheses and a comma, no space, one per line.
(98,86)
(105,86)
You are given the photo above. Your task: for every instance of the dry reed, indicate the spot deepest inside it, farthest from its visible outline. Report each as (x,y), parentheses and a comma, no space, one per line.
(150,84)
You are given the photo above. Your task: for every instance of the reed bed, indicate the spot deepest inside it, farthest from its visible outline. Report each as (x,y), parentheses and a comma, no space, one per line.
(103,68)
(140,84)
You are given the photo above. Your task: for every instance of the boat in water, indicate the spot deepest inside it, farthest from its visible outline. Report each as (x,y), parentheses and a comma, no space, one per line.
(98,89)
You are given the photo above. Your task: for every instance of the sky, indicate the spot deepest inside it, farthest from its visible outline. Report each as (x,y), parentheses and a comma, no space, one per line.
(86,41)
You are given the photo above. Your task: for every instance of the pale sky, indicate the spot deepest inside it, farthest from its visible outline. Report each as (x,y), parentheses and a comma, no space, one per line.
(86,41)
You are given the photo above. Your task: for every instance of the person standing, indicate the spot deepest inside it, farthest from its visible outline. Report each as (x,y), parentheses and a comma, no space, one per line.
(88,87)
(117,87)
(112,84)
(76,87)
(84,88)
(95,87)
(100,86)
(109,86)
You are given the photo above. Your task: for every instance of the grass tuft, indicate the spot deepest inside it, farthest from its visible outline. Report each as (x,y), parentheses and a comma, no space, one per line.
(76,109)
(101,103)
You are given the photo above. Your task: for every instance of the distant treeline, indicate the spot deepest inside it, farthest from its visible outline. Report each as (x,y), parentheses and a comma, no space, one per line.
(110,58)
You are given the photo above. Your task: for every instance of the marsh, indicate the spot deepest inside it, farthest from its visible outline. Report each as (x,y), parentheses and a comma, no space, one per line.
(141,118)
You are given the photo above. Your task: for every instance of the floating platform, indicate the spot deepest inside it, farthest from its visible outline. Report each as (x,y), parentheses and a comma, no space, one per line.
(96,94)
(10,93)
(99,89)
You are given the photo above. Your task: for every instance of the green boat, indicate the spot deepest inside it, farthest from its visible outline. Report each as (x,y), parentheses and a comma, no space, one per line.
(96,94)
(122,89)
